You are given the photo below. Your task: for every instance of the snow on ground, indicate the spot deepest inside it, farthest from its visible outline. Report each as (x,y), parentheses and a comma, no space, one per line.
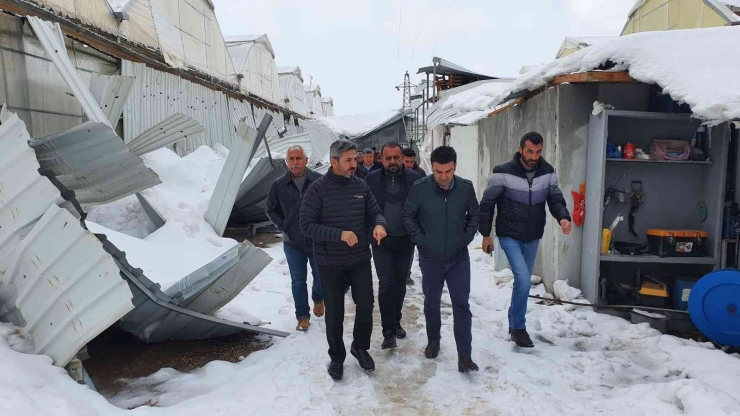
(676,60)
(358,124)
(584,363)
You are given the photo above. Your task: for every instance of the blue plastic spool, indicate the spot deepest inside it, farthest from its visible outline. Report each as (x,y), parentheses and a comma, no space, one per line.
(714,306)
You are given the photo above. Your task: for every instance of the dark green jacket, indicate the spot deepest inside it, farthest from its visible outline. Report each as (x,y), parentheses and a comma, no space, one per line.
(441,223)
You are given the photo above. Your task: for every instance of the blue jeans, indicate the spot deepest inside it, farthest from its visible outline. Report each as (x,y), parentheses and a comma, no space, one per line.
(521,256)
(297,259)
(456,273)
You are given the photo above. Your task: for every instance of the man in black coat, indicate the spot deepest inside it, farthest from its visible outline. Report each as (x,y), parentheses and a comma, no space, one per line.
(520,188)
(369,162)
(282,208)
(394,256)
(337,213)
(409,160)
(361,172)
(441,216)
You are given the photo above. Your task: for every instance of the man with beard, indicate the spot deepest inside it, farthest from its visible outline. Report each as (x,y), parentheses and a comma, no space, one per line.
(361,171)
(441,215)
(409,160)
(282,208)
(336,212)
(520,188)
(393,258)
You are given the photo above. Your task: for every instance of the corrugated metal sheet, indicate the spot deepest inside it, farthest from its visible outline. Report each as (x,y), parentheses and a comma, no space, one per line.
(219,291)
(91,160)
(197,280)
(154,216)
(67,289)
(171,130)
(158,95)
(280,145)
(24,193)
(155,318)
(111,92)
(249,207)
(51,38)
(227,187)
(322,137)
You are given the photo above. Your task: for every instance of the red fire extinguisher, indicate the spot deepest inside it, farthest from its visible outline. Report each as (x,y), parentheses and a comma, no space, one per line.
(629,151)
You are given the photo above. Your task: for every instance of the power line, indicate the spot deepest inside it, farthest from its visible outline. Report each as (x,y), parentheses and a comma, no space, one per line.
(423,12)
(398,51)
(442,29)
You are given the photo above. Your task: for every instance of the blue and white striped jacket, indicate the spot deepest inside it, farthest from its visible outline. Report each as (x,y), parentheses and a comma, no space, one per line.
(521,203)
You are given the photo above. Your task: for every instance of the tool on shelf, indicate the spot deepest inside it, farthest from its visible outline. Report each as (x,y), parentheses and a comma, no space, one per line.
(638,197)
(608,193)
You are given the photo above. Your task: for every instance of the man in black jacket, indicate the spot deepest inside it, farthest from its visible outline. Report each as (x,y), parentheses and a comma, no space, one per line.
(441,215)
(336,213)
(361,172)
(369,161)
(282,208)
(409,160)
(520,188)
(394,256)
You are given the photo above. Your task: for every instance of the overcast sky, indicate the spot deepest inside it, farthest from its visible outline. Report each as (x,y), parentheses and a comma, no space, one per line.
(351,47)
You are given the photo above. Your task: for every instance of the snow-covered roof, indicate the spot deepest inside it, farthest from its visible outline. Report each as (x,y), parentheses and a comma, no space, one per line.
(245,39)
(359,125)
(327,100)
(467,104)
(312,88)
(445,67)
(294,70)
(587,40)
(677,60)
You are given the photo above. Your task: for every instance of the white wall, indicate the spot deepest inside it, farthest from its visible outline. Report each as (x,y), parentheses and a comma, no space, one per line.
(465,141)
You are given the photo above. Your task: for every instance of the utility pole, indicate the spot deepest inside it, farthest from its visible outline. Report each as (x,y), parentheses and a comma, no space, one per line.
(406,104)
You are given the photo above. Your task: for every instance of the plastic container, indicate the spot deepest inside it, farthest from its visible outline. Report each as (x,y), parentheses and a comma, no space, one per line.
(681,290)
(653,294)
(606,240)
(677,243)
(656,321)
(630,151)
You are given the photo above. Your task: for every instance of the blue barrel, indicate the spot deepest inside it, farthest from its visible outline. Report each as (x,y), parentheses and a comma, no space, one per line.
(714,306)
(681,290)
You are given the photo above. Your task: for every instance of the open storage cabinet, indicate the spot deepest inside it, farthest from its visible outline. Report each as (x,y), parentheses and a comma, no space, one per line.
(683,195)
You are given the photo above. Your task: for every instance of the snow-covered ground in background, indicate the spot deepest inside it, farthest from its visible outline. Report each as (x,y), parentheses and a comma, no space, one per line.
(584,363)
(358,124)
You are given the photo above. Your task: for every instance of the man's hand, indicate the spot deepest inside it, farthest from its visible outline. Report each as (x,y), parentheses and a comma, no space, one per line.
(565,226)
(487,245)
(349,237)
(379,233)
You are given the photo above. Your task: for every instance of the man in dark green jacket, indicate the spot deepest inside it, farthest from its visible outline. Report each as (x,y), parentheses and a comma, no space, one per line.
(441,216)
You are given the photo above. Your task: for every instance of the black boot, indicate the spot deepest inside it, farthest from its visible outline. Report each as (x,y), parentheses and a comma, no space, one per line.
(399,332)
(365,360)
(466,365)
(336,370)
(389,340)
(521,338)
(432,349)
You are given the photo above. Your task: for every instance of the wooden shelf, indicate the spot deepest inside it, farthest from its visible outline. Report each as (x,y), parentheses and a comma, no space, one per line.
(659,162)
(649,258)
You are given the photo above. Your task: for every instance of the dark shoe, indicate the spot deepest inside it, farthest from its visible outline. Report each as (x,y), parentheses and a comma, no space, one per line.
(399,332)
(466,365)
(364,358)
(389,340)
(409,281)
(318,308)
(432,349)
(336,370)
(521,338)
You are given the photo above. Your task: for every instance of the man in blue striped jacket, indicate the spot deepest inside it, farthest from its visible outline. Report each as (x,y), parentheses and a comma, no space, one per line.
(520,188)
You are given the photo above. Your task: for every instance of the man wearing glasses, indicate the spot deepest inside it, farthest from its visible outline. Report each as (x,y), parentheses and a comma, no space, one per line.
(392,256)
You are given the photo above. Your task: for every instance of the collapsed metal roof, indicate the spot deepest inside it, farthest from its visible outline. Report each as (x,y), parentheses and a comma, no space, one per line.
(444,67)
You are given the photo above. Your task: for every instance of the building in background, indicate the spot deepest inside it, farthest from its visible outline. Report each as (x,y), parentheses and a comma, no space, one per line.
(291,88)
(313,101)
(652,15)
(327,106)
(254,66)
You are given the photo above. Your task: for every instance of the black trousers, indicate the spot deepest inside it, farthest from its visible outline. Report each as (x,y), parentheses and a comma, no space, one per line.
(393,258)
(334,280)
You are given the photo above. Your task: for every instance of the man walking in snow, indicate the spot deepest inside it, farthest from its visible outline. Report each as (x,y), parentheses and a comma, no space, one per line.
(336,212)
(282,208)
(361,172)
(369,162)
(394,256)
(409,160)
(441,216)
(520,188)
